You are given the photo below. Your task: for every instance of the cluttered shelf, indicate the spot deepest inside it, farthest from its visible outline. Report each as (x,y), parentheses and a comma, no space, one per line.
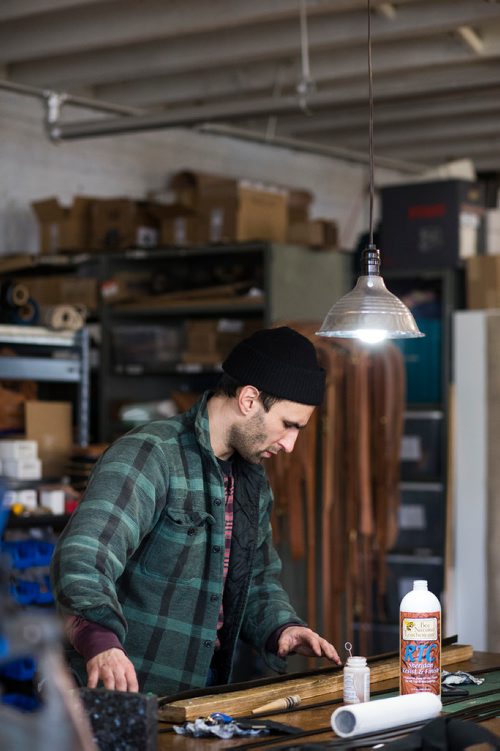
(149,308)
(38,335)
(139,369)
(41,483)
(56,522)
(222,306)
(37,353)
(73,258)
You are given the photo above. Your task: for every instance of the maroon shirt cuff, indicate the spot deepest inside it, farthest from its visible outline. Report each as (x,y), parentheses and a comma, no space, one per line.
(89,639)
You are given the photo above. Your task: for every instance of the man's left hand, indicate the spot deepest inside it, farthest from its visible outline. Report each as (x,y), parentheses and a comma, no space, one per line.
(304,641)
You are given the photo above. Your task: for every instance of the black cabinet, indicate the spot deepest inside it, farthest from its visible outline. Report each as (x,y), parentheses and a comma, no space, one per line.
(420,549)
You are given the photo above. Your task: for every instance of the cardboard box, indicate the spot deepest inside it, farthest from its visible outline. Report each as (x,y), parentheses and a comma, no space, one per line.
(229,210)
(492,220)
(435,225)
(63,227)
(120,223)
(11,410)
(492,232)
(492,242)
(60,289)
(53,499)
(181,231)
(262,213)
(28,498)
(299,204)
(483,282)
(201,341)
(212,199)
(51,425)
(18,449)
(193,190)
(22,469)
(321,234)
(179,226)
(209,340)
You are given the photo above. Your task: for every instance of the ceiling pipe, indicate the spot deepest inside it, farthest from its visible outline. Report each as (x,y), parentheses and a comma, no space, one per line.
(209,117)
(182,116)
(336,152)
(75,101)
(135,121)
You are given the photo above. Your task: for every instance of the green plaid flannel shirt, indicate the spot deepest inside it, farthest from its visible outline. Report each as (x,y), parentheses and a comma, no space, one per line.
(143,555)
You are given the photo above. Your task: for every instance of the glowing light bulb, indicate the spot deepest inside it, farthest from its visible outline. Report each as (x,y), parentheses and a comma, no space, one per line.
(371,336)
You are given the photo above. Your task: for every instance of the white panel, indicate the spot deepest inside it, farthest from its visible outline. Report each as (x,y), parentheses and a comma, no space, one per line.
(470,482)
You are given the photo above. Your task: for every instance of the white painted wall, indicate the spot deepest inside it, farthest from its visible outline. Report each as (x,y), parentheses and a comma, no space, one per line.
(31,168)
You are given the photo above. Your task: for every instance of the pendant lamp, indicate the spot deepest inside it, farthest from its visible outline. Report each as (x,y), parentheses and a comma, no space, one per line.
(370,312)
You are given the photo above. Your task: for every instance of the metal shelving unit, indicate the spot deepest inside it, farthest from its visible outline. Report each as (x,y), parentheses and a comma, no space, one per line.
(188,267)
(284,274)
(50,356)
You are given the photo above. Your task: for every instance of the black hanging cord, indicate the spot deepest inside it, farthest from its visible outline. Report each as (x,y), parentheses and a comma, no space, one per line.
(370,121)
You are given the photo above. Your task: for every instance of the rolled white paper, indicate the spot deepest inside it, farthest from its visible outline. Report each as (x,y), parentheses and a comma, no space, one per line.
(382,714)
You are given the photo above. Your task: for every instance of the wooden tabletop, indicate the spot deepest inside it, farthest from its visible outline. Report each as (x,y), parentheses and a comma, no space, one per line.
(306,719)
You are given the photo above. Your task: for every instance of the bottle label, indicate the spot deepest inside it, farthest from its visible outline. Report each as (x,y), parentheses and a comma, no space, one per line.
(356,686)
(420,652)
(350,695)
(420,629)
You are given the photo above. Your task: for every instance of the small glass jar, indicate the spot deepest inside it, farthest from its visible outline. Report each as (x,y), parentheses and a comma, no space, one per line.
(356,681)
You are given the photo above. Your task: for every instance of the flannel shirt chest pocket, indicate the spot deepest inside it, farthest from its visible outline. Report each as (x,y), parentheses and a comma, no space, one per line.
(179,547)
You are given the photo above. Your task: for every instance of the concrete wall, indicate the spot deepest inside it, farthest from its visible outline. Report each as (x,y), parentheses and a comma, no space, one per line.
(31,168)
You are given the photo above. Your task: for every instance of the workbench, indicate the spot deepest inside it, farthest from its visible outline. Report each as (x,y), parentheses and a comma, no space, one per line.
(313,716)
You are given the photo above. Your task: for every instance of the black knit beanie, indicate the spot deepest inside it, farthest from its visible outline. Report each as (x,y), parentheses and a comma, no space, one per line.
(280,362)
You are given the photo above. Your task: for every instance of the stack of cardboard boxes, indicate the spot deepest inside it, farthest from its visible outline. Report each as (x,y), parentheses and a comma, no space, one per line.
(203,209)
(211,208)
(36,456)
(302,230)
(216,209)
(97,224)
(483,271)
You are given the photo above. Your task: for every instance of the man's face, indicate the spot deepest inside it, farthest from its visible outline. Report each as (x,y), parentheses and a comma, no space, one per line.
(267,433)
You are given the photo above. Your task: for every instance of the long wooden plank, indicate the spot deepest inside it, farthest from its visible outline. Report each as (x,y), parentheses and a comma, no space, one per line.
(217,292)
(242,702)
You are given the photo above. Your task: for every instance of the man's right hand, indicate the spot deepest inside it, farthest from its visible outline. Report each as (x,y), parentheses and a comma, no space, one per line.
(114,669)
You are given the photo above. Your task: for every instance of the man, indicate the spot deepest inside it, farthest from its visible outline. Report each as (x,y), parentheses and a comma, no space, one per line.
(168,559)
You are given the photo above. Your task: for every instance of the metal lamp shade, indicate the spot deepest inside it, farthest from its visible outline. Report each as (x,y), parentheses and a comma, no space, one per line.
(371,313)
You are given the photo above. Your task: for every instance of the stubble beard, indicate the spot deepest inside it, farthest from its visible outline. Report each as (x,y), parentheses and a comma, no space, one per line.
(247,440)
